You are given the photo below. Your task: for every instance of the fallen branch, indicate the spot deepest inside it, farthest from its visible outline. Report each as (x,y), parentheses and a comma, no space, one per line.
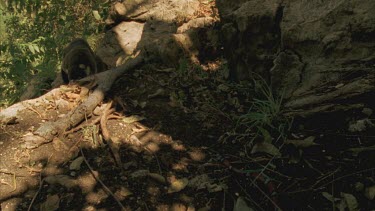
(47,131)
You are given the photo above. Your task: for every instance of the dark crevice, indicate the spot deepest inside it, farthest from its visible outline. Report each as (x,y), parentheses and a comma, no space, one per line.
(278,19)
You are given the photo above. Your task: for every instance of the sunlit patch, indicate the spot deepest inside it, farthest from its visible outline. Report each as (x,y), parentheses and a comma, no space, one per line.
(52,170)
(123,193)
(87,182)
(181,165)
(96,197)
(197,155)
(153,147)
(178,147)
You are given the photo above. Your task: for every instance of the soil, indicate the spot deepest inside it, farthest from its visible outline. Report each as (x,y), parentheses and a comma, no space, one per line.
(172,155)
(176,140)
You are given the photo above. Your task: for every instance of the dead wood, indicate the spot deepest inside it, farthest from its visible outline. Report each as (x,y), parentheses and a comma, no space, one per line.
(48,130)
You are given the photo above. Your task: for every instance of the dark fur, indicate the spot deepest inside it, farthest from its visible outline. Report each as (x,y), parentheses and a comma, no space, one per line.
(78,53)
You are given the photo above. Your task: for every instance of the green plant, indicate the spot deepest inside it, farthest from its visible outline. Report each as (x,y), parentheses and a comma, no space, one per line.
(33,36)
(265,110)
(264,116)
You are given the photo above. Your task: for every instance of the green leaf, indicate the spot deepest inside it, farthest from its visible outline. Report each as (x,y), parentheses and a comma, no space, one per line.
(37,48)
(96,15)
(31,48)
(2,4)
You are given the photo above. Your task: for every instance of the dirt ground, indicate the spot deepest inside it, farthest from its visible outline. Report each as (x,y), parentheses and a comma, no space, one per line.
(168,152)
(178,140)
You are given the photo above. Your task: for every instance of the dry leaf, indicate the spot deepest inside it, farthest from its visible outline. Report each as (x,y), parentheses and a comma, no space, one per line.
(158,178)
(350,201)
(329,197)
(241,205)
(140,173)
(62,180)
(370,192)
(178,185)
(199,182)
(157,93)
(132,119)
(71,95)
(96,15)
(123,193)
(266,148)
(51,203)
(307,142)
(76,164)
(355,151)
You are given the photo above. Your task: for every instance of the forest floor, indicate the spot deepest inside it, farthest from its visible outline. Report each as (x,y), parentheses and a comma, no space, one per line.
(186,138)
(176,146)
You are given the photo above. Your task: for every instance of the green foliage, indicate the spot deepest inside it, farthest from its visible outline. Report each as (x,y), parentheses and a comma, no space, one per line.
(263,111)
(263,119)
(34,33)
(264,116)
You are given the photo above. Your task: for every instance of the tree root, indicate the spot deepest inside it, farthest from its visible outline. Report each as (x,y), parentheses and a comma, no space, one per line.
(47,131)
(103,125)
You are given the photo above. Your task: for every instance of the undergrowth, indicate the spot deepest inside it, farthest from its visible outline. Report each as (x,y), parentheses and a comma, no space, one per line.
(263,118)
(33,36)
(246,110)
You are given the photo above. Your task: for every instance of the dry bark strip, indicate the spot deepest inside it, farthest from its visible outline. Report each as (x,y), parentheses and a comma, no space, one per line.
(48,130)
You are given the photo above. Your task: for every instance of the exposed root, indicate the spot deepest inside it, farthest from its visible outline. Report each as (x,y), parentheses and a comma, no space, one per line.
(34,110)
(41,181)
(103,125)
(94,122)
(46,132)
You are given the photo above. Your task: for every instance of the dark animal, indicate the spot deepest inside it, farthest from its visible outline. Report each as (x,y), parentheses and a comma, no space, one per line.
(79,61)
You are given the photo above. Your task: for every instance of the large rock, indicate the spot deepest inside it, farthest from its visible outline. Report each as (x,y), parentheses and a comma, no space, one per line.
(163,30)
(317,52)
(145,10)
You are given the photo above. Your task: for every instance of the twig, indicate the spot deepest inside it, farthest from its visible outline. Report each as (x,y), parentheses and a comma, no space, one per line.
(48,130)
(266,166)
(41,181)
(103,121)
(11,173)
(14,182)
(261,173)
(157,160)
(101,182)
(325,176)
(347,175)
(334,180)
(82,126)
(34,110)
(333,193)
